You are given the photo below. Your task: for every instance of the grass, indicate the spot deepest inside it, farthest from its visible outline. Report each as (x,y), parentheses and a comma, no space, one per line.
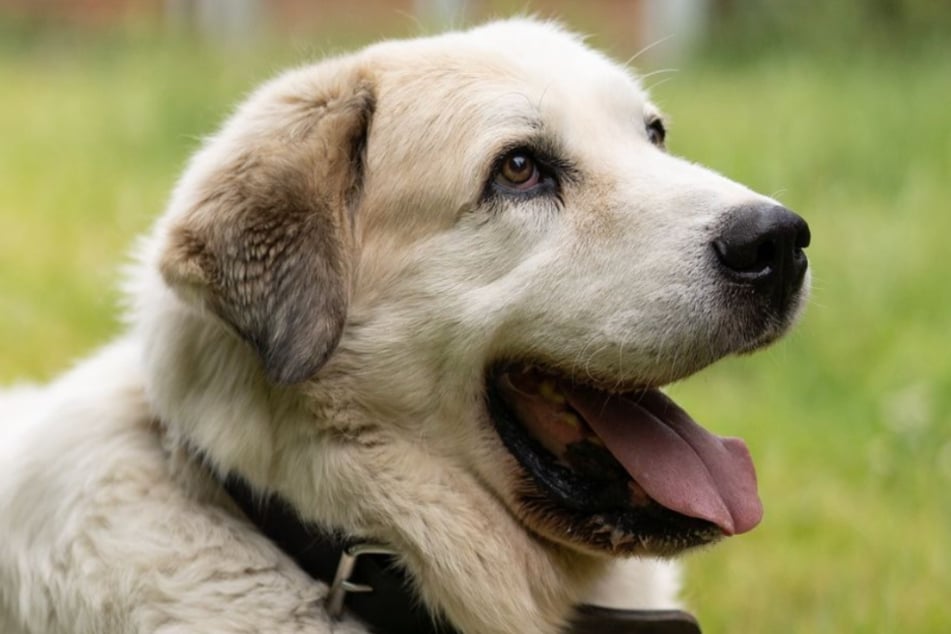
(849,418)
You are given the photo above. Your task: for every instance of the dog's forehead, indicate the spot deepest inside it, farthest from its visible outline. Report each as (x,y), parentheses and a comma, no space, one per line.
(536,63)
(471,93)
(544,57)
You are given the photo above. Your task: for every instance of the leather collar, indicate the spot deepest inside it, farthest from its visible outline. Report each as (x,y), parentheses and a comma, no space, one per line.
(375,589)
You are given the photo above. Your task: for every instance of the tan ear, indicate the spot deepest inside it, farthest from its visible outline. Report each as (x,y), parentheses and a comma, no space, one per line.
(268,244)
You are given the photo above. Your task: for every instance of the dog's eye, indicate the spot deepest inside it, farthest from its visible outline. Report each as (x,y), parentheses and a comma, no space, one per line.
(518,171)
(656,133)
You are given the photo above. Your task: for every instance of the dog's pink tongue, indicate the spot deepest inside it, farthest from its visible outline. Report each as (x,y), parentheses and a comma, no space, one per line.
(679,464)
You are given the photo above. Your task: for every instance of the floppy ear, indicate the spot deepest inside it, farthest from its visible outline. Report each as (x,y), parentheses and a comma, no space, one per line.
(267,241)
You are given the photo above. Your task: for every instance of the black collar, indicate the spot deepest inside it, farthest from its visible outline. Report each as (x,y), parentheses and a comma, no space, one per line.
(391,607)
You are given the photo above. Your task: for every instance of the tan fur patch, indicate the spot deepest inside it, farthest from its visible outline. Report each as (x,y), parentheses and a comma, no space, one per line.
(269,245)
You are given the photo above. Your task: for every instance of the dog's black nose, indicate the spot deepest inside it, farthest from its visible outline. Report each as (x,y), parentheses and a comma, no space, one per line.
(763,245)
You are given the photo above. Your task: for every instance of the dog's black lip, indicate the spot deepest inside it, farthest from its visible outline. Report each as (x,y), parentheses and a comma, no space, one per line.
(560,482)
(591,506)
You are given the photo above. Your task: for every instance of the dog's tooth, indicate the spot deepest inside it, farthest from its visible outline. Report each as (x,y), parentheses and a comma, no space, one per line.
(594,440)
(550,393)
(569,419)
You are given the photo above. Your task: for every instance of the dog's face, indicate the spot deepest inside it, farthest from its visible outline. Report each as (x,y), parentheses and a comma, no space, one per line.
(481,240)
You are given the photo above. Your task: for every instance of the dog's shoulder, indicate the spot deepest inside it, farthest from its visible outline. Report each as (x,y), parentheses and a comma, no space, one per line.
(86,482)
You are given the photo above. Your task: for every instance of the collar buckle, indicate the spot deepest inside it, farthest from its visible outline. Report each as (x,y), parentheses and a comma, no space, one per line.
(342,585)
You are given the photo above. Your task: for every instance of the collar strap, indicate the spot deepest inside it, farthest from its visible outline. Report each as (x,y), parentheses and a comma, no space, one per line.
(593,619)
(367,579)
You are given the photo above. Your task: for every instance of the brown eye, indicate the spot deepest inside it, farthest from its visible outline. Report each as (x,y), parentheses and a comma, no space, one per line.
(656,133)
(518,171)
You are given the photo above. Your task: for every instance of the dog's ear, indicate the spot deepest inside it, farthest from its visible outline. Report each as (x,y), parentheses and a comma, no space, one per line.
(266,241)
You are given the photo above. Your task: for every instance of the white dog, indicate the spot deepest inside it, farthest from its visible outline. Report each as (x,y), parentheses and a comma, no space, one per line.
(417,298)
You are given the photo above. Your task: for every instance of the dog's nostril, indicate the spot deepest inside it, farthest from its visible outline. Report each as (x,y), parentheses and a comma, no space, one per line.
(749,257)
(803,236)
(766,254)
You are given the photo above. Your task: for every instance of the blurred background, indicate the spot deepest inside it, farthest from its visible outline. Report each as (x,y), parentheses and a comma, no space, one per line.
(841,109)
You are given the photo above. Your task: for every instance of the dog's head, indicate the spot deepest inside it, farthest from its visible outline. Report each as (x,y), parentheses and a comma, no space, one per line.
(477,243)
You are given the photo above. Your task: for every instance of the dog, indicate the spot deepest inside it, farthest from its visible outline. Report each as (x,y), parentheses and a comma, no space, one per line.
(425,296)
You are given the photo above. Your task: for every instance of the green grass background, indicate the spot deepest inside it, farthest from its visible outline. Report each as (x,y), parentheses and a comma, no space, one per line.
(849,418)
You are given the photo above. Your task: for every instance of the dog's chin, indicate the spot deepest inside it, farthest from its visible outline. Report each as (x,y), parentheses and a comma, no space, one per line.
(615,470)
(757,325)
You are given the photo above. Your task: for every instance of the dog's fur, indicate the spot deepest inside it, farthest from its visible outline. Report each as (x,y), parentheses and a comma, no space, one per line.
(316,311)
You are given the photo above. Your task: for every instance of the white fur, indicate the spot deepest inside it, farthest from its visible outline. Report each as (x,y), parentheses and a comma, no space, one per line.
(107,525)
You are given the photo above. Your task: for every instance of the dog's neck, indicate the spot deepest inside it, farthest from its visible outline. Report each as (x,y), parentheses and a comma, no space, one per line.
(373,586)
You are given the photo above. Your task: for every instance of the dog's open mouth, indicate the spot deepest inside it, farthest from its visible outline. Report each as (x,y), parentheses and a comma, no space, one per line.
(631,463)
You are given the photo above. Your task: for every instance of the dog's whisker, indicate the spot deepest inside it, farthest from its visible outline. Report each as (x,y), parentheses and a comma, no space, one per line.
(779,192)
(655,43)
(663,81)
(659,71)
